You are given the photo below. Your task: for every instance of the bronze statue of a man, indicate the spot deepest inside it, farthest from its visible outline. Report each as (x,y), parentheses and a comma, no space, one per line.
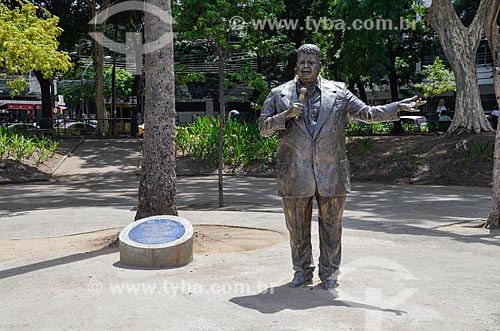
(312,160)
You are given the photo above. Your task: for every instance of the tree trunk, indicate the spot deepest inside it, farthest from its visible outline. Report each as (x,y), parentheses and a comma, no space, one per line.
(460,45)
(493,37)
(393,83)
(97,61)
(46,101)
(157,190)
(361,90)
(102,114)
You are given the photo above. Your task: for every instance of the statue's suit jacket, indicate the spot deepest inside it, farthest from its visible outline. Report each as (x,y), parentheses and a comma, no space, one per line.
(316,163)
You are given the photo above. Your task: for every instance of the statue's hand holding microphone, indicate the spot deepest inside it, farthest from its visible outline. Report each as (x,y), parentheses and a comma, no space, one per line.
(297,108)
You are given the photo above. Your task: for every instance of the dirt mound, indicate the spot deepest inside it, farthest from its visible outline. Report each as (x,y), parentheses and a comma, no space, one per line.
(13,171)
(413,159)
(424,159)
(208,239)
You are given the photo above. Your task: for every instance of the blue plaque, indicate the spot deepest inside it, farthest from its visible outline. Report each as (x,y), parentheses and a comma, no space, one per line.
(157,231)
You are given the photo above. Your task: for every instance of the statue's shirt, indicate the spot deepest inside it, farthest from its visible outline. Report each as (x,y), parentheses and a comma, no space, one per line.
(312,104)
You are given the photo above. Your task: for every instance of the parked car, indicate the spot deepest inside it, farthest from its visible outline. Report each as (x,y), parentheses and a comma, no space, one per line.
(74,129)
(419,121)
(22,127)
(91,122)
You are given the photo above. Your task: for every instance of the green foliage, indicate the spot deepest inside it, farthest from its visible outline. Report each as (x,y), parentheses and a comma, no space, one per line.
(250,78)
(365,143)
(367,56)
(466,152)
(367,129)
(193,77)
(402,163)
(44,149)
(484,151)
(438,79)
(183,140)
(358,129)
(124,82)
(204,137)
(410,128)
(28,42)
(208,23)
(19,147)
(475,151)
(17,85)
(242,142)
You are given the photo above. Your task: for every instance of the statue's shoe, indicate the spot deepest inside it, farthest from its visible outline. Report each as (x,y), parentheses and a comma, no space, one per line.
(329,283)
(301,278)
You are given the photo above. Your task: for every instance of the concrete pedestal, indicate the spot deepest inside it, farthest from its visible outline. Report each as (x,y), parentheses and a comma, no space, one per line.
(157,241)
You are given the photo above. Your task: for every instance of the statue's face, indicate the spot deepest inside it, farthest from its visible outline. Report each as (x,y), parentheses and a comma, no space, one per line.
(308,67)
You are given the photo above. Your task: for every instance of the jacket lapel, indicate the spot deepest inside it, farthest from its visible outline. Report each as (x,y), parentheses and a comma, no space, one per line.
(328,96)
(289,96)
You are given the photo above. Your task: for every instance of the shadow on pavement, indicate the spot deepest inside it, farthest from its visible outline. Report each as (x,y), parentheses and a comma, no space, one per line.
(276,299)
(121,154)
(491,239)
(54,262)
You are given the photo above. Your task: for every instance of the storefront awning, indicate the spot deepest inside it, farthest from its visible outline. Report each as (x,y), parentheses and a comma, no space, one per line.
(23,106)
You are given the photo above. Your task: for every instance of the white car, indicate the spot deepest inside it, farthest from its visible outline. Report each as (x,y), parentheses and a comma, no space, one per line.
(74,129)
(21,127)
(419,121)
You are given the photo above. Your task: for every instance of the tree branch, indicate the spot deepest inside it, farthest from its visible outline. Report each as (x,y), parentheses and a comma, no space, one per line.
(491,29)
(442,10)
(477,25)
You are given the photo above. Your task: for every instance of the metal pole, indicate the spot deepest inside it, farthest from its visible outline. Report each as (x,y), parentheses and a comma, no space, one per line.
(221,124)
(113,86)
(113,94)
(81,97)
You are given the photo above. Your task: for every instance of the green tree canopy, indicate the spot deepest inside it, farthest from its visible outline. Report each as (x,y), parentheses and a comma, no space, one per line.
(384,51)
(438,79)
(259,51)
(28,42)
(124,82)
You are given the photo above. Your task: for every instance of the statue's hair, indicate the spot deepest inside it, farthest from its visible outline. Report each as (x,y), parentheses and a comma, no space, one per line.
(309,49)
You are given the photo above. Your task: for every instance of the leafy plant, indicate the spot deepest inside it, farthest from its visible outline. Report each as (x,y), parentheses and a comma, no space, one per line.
(242,142)
(19,147)
(484,151)
(205,136)
(466,152)
(45,149)
(365,129)
(410,128)
(475,151)
(184,140)
(365,143)
(393,156)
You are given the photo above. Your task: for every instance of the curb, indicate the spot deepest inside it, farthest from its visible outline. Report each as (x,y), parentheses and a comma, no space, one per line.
(65,157)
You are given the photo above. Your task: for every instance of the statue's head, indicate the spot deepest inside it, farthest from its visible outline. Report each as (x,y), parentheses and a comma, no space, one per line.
(308,63)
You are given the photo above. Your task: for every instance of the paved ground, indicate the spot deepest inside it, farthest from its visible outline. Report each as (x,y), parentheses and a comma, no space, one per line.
(412,259)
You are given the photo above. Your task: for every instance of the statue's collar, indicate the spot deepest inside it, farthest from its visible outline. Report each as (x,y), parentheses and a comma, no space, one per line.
(316,84)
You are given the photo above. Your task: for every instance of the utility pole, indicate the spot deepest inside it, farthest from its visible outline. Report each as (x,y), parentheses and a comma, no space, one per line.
(221,124)
(113,87)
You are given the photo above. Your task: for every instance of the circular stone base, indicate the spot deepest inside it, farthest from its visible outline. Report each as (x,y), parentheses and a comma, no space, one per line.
(157,241)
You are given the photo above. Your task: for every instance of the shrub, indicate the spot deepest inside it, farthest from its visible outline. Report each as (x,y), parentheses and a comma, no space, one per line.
(19,147)
(242,142)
